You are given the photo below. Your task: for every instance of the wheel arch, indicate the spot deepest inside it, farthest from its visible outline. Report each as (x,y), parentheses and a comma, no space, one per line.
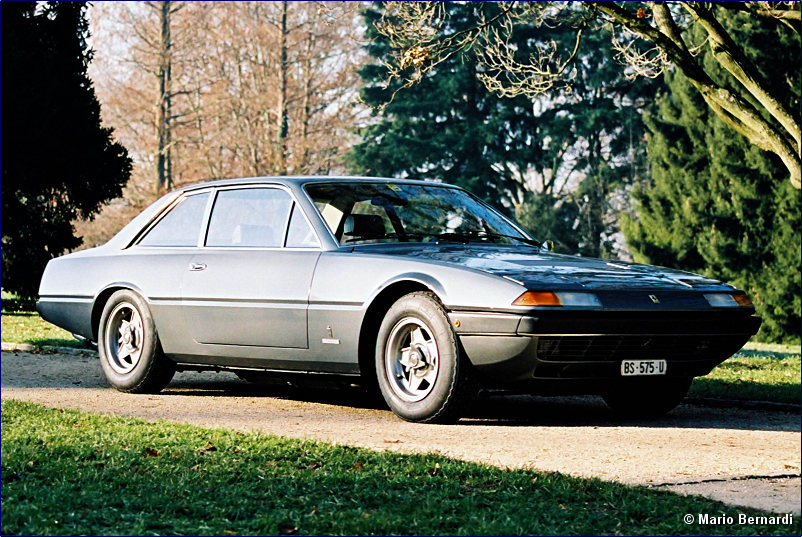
(379,303)
(100,302)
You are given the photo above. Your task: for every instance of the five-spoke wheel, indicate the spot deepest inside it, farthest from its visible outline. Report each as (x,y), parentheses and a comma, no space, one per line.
(130,352)
(411,359)
(124,338)
(421,373)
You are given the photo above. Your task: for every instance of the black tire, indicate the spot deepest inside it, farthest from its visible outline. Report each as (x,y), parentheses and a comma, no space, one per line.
(440,384)
(136,364)
(646,398)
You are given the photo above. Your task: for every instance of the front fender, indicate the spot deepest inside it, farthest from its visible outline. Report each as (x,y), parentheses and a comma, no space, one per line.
(419,278)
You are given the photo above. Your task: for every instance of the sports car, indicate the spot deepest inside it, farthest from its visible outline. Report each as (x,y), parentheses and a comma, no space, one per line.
(417,290)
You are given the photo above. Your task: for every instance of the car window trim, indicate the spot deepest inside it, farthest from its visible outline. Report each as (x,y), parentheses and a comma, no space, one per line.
(207,212)
(252,248)
(273,186)
(297,206)
(287,222)
(135,242)
(427,183)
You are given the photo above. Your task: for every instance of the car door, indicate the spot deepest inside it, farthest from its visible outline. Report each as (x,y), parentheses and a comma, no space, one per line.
(249,283)
(156,264)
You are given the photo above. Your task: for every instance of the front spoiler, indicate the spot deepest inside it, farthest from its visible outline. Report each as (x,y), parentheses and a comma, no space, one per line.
(583,346)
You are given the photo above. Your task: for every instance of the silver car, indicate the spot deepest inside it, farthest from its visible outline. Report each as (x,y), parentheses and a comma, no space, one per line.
(417,290)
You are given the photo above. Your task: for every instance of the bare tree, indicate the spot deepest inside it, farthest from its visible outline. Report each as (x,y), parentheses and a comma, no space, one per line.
(143,53)
(649,37)
(283,82)
(164,177)
(281,113)
(206,90)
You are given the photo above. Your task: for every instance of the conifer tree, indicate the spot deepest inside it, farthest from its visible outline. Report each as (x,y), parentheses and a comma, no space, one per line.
(58,162)
(448,127)
(719,205)
(556,160)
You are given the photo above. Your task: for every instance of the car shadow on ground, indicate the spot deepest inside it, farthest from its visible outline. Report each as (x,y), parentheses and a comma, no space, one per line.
(28,371)
(494,409)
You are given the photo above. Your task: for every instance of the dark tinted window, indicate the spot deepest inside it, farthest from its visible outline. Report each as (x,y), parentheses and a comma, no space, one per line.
(300,234)
(181,226)
(249,217)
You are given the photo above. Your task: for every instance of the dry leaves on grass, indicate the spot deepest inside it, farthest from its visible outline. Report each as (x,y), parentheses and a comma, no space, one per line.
(207,448)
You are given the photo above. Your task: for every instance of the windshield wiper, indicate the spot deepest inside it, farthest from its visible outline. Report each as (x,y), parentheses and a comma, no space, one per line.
(530,242)
(467,236)
(405,235)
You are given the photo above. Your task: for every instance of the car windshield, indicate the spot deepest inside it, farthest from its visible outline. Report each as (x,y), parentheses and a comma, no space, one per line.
(390,212)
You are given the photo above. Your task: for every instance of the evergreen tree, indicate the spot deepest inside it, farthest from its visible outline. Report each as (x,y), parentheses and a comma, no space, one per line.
(58,162)
(552,219)
(447,127)
(719,205)
(556,160)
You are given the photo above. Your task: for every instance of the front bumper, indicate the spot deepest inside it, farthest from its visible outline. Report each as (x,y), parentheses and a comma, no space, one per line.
(587,346)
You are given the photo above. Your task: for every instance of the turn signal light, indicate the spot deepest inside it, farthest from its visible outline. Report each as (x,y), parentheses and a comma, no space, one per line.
(537,298)
(742,299)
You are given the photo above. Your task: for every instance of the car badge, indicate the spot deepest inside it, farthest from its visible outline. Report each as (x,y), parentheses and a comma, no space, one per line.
(654,299)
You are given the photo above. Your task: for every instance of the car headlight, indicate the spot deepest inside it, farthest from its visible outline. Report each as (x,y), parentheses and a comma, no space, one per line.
(558,298)
(728,300)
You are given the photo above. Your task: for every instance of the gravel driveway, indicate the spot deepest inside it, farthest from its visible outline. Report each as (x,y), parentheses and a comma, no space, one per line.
(728,454)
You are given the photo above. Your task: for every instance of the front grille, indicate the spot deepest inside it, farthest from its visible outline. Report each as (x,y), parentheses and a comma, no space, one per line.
(613,348)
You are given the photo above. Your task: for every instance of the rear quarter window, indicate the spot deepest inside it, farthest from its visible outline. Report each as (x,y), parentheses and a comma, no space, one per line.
(181,226)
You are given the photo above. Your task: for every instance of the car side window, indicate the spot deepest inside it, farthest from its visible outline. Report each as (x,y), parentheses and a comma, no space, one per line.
(300,233)
(249,217)
(181,226)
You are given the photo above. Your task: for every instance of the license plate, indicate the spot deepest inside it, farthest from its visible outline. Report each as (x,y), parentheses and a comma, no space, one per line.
(631,368)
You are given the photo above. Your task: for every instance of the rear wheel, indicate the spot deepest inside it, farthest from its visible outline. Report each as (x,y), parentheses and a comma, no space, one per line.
(647,398)
(129,348)
(420,371)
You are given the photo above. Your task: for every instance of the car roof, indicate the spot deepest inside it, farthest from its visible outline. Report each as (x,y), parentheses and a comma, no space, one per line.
(306,179)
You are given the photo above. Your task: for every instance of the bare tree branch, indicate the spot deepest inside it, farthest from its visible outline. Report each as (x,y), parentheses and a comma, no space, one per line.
(647,41)
(736,111)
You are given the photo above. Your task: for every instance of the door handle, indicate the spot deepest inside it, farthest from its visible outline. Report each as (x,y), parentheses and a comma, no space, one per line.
(197,266)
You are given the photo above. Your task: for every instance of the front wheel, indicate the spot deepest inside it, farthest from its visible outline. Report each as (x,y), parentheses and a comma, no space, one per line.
(129,348)
(421,373)
(646,398)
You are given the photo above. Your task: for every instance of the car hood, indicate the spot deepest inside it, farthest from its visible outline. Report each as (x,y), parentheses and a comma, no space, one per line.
(544,270)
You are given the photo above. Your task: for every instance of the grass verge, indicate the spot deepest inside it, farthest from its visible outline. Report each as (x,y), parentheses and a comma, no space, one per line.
(759,372)
(28,327)
(67,472)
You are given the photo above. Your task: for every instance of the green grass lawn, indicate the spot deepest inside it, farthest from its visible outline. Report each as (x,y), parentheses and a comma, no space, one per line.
(67,472)
(760,371)
(28,327)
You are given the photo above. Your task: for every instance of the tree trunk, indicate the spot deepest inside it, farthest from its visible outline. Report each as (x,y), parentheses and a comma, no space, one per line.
(731,107)
(281,115)
(164,177)
(307,112)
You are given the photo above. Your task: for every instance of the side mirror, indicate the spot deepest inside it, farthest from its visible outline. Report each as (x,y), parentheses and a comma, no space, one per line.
(548,245)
